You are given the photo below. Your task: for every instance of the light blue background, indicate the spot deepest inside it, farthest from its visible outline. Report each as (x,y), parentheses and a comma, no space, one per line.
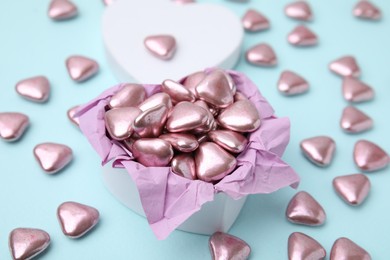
(32,44)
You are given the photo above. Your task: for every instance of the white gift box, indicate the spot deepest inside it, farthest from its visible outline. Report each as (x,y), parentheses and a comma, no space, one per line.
(216,215)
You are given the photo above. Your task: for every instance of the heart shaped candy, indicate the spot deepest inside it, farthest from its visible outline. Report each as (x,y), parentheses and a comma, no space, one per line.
(35,89)
(345,66)
(71,115)
(156,100)
(76,219)
(224,246)
(186,116)
(229,140)
(131,95)
(299,10)
(184,165)
(161,46)
(254,21)
(192,80)
(241,116)
(212,162)
(366,10)
(81,68)
(261,55)
(344,248)
(353,188)
(177,91)
(13,125)
(355,121)
(302,36)
(291,83)
(369,156)
(319,150)
(301,246)
(305,210)
(355,90)
(53,157)
(119,121)
(26,243)
(129,59)
(216,89)
(152,152)
(62,10)
(185,143)
(151,122)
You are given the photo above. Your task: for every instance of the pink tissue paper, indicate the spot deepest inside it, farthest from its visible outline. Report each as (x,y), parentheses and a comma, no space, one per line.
(168,199)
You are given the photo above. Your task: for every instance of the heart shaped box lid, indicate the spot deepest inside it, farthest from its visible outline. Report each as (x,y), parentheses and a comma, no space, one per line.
(168,199)
(207,35)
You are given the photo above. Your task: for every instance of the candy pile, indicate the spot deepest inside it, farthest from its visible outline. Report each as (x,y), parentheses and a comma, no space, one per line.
(197,127)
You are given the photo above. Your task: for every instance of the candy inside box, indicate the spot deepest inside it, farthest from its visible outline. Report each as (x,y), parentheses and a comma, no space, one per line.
(207,200)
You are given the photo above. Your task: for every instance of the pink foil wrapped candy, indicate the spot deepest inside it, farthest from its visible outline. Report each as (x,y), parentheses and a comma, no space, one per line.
(167,199)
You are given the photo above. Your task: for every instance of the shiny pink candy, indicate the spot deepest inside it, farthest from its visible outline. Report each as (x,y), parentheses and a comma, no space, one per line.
(76,219)
(177,91)
(119,122)
(71,115)
(302,36)
(319,150)
(241,116)
(81,68)
(62,10)
(229,140)
(161,46)
(353,188)
(13,125)
(186,116)
(356,91)
(304,247)
(261,55)
(192,80)
(212,162)
(131,95)
(151,122)
(291,83)
(156,100)
(216,89)
(299,10)
(35,89)
(184,165)
(369,156)
(27,243)
(344,248)
(355,121)
(224,247)
(305,210)
(185,143)
(254,21)
(345,66)
(367,10)
(53,157)
(152,152)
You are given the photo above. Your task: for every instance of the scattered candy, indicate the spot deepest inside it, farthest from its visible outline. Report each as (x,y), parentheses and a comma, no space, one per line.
(161,46)
(355,90)
(53,157)
(305,210)
(13,125)
(224,246)
(302,36)
(343,248)
(291,83)
(130,95)
(62,10)
(152,152)
(261,55)
(366,10)
(241,116)
(81,68)
(354,120)
(71,112)
(26,243)
(192,80)
(299,10)
(369,156)
(119,122)
(345,66)
(177,91)
(304,247)
(184,165)
(216,89)
(254,21)
(319,150)
(213,162)
(353,188)
(231,141)
(76,219)
(151,122)
(185,143)
(35,89)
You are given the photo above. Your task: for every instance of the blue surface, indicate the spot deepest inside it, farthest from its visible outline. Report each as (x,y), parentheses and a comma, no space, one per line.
(32,44)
